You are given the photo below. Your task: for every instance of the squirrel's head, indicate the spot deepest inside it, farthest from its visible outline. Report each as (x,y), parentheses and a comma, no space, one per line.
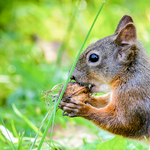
(108,58)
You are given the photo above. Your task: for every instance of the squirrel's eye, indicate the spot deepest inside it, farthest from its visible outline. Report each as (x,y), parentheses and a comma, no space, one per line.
(93,58)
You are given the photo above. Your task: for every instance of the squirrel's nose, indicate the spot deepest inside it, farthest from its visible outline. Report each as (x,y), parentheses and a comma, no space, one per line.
(72,77)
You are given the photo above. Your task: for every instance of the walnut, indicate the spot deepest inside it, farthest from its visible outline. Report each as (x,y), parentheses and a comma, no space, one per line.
(76,91)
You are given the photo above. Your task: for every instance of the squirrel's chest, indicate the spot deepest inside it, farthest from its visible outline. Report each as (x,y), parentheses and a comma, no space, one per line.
(105,88)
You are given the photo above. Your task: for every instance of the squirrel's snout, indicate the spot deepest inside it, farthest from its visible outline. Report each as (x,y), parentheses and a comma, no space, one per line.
(72,77)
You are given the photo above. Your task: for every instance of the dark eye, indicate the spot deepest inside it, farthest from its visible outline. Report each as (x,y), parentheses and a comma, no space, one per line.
(93,58)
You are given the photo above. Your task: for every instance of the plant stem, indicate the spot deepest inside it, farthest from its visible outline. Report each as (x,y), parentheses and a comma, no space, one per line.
(49,113)
(78,55)
(45,132)
(74,64)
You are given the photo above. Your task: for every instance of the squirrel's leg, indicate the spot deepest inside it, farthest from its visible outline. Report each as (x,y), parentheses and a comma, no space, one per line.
(110,118)
(100,101)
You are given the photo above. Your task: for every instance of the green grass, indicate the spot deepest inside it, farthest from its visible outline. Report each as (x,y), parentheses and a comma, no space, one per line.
(25,74)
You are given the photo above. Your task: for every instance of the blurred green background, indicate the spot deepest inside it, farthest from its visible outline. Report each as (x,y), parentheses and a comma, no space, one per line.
(39,40)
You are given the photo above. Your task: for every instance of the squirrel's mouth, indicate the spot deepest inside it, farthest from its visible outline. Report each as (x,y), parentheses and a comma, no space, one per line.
(90,86)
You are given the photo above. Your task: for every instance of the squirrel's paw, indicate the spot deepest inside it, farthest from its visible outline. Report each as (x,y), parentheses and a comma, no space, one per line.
(55,96)
(74,108)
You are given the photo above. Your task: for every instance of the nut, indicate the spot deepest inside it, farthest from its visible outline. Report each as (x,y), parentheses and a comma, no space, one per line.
(76,91)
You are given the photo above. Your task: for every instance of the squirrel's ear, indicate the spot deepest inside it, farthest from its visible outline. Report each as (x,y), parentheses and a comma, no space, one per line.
(125,41)
(127,36)
(123,22)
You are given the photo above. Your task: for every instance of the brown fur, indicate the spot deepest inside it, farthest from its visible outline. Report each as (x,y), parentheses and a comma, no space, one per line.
(124,66)
(99,101)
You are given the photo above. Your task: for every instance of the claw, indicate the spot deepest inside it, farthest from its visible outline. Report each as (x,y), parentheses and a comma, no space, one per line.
(53,100)
(72,115)
(67,99)
(60,106)
(55,96)
(65,113)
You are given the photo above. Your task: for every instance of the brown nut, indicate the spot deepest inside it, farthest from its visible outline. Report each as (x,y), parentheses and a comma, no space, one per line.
(76,91)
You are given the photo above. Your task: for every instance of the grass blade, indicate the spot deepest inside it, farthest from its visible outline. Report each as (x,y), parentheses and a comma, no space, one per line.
(74,64)
(20,141)
(49,112)
(54,113)
(26,119)
(45,132)
(78,55)
(14,128)
(7,132)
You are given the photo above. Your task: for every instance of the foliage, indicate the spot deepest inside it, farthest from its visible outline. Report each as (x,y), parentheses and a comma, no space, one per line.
(25,73)
(116,143)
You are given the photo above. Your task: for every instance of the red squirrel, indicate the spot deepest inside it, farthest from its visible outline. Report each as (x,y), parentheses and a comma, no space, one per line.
(119,66)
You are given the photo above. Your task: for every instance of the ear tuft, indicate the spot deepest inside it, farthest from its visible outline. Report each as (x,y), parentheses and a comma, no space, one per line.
(127,36)
(123,22)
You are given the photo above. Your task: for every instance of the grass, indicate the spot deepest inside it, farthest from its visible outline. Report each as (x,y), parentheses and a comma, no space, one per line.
(25,72)
(33,127)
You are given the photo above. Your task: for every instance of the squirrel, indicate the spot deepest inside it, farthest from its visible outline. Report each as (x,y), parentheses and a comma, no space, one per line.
(119,66)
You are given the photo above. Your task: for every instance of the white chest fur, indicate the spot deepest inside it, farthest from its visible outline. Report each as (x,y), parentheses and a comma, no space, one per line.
(104,88)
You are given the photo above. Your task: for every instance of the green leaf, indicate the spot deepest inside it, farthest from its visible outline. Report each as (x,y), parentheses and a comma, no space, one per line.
(117,143)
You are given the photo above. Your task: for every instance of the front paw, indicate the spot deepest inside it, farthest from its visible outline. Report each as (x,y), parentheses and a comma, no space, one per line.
(74,108)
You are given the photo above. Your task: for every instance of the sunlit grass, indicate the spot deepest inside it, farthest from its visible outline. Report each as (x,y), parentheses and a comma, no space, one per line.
(25,72)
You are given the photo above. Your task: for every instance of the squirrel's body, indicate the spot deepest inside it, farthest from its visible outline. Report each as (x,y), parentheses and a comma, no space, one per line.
(117,64)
